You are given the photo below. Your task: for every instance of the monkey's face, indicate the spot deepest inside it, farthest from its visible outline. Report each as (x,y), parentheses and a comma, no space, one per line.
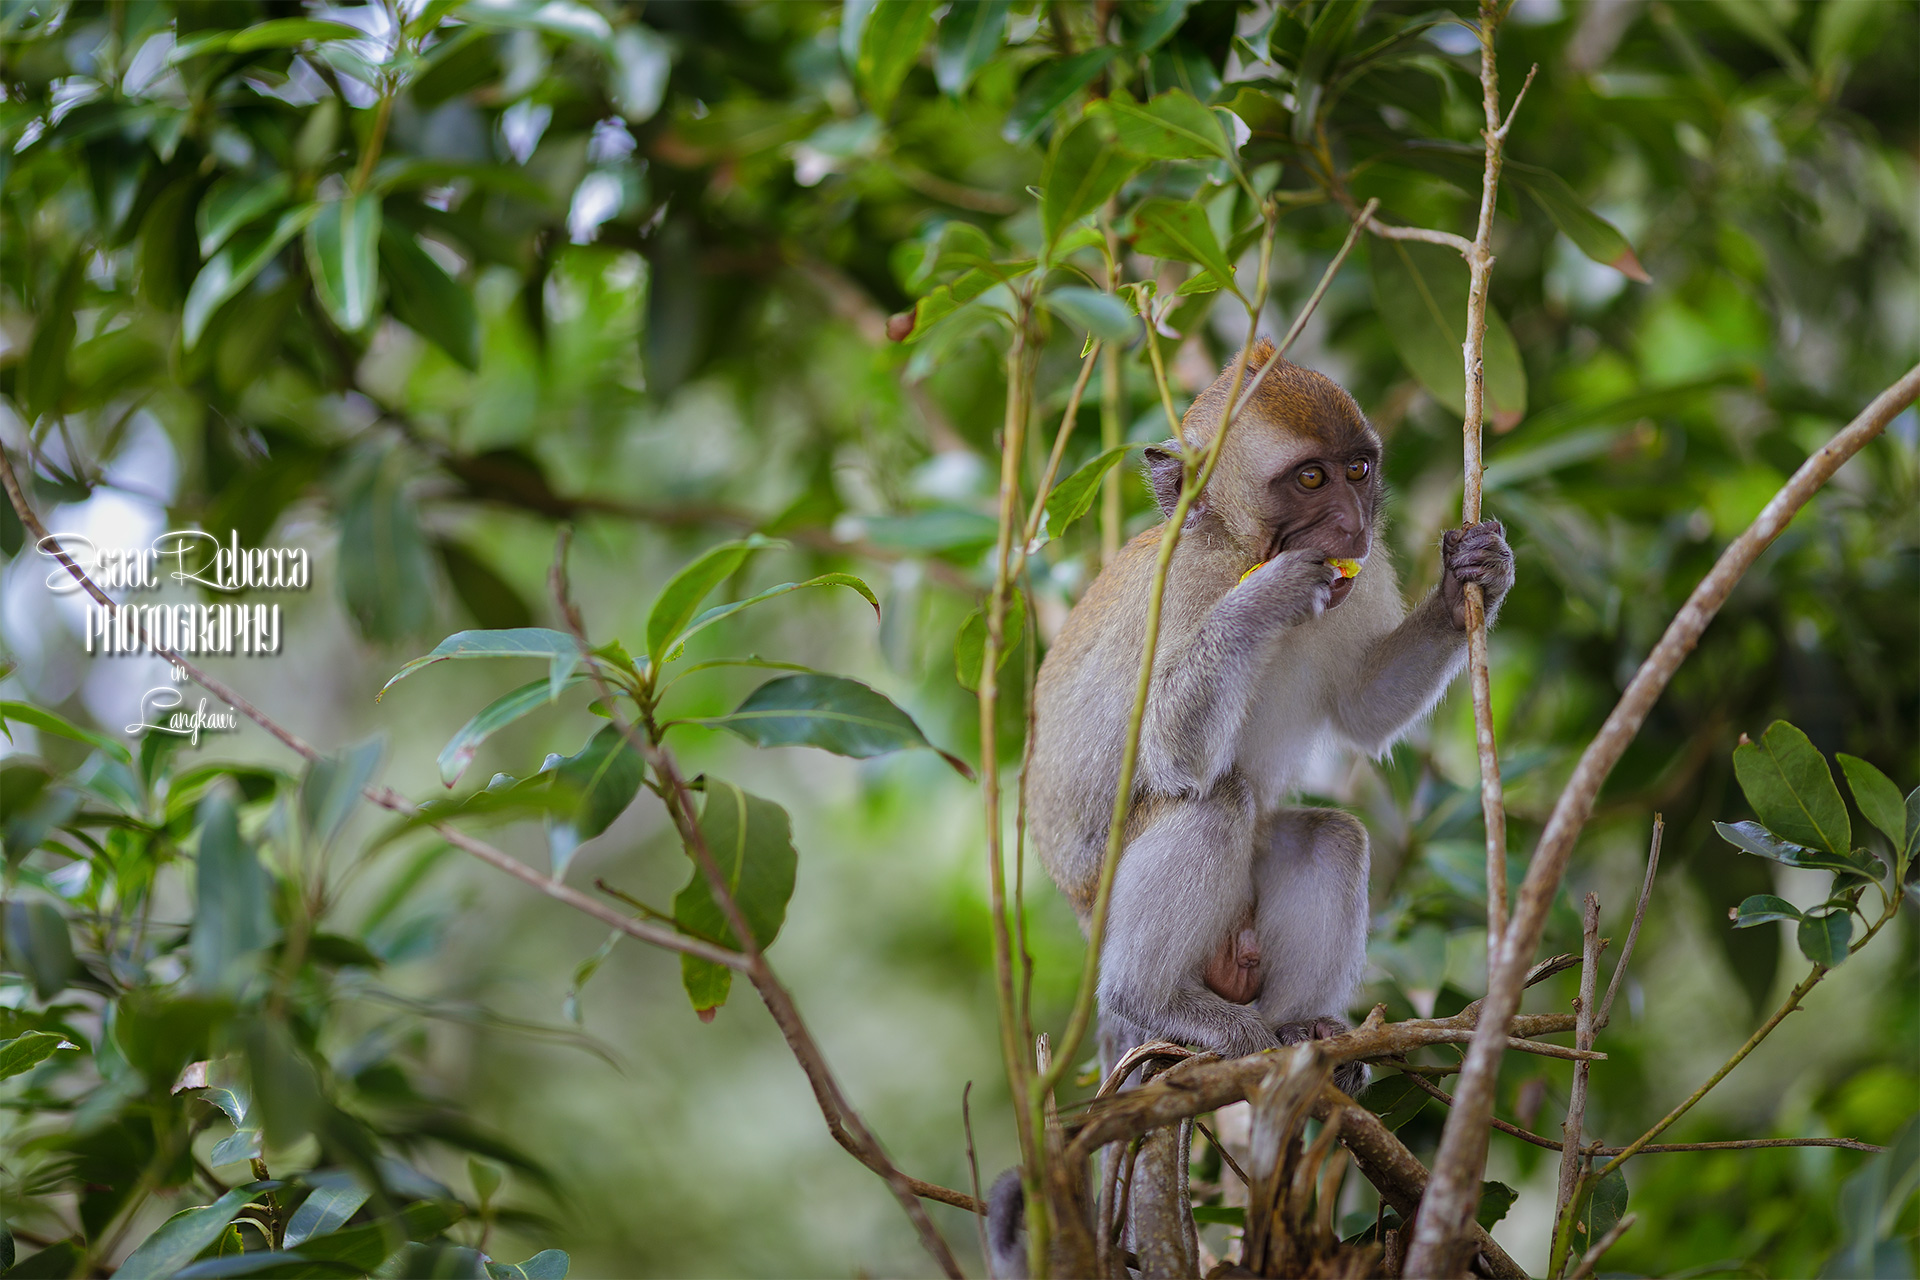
(1325,499)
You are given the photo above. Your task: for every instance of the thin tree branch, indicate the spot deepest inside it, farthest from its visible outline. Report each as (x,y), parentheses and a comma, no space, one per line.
(1512,1130)
(1386,231)
(1606,1242)
(843,1122)
(1570,1153)
(1462,1147)
(1633,932)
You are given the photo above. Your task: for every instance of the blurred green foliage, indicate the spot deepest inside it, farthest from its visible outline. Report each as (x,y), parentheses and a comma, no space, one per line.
(411,285)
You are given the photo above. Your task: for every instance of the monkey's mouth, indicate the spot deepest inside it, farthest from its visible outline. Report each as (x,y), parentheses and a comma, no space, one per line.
(1340,591)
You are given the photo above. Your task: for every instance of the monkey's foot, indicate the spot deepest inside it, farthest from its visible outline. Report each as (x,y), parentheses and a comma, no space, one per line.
(1348,1077)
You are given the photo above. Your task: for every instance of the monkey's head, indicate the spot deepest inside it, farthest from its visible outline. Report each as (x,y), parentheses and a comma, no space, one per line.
(1301,468)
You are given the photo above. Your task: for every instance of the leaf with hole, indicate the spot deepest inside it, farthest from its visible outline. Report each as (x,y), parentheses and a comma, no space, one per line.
(1791,789)
(1420,291)
(1169,228)
(970,35)
(1824,939)
(1763,908)
(1083,172)
(682,595)
(751,841)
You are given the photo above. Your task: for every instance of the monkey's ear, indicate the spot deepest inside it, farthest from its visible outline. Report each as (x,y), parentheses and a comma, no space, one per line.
(1163,473)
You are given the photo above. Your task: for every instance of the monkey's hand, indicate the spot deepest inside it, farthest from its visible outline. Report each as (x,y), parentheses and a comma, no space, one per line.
(1294,587)
(1477,553)
(1348,1077)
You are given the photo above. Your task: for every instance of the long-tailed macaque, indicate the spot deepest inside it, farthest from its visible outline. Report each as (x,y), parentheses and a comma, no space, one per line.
(1239,923)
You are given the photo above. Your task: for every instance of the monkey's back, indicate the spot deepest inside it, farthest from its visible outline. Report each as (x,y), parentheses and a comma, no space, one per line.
(1082,699)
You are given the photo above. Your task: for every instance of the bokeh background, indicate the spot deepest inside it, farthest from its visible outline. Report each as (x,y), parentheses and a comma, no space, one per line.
(679,230)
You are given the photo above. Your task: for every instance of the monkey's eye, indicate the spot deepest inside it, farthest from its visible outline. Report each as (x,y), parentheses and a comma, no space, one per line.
(1312,477)
(1357,470)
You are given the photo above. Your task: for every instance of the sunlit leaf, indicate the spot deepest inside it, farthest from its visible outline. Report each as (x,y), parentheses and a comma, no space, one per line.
(1073,497)
(343,243)
(970,34)
(557,647)
(970,645)
(1093,311)
(234,267)
(751,841)
(724,611)
(1170,126)
(27,1051)
(1083,172)
(1791,789)
(1168,228)
(495,716)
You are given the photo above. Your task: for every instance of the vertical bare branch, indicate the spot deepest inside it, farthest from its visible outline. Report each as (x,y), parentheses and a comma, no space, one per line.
(1633,932)
(1570,1153)
(1449,1204)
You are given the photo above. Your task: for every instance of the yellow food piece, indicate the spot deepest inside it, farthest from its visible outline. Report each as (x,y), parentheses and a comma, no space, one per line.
(1347,568)
(1248,573)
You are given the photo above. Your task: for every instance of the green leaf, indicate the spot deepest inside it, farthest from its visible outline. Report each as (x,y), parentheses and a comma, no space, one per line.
(179,1239)
(330,1205)
(43,378)
(1495,1199)
(1327,38)
(235,201)
(1873,791)
(343,243)
(1756,839)
(1912,845)
(751,841)
(1231,1215)
(548,1264)
(490,598)
(233,915)
(1169,228)
(970,646)
(364,1247)
(949,298)
(39,946)
(385,564)
(1147,23)
(281,33)
(486,1177)
(1791,789)
(1763,908)
(428,300)
(1823,939)
(28,1050)
(332,788)
(234,267)
(1073,497)
(1421,293)
(1592,234)
(830,712)
(592,788)
(495,716)
(60,726)
(1048,88)
(1606,1205)
(722,611)
(890,43)
(683,594)
(559,648)
(970,34)
(1174,125)
(1094,312)
(1083,171)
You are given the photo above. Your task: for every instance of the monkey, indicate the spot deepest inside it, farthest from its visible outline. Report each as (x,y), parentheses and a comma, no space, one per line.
(1238,922)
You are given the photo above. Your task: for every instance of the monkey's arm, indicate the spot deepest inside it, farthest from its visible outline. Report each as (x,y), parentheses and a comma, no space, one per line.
(1205,676)
(1405,671)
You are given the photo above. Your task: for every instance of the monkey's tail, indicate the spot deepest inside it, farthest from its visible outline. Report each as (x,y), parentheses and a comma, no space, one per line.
(1007,1228)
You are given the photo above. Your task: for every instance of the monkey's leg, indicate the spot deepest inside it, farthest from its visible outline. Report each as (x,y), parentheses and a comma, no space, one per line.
(1183,885)
(1310,886)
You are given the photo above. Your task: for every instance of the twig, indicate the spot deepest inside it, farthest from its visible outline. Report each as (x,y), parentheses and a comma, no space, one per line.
(1513,1130)
(1741,1144)
(973,1167)
(1387,231)
(1606,1241)
(1462,1146)
(1570,1153)
(843,1122)
(1067,421)
(1633,932)
(1221,1147)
